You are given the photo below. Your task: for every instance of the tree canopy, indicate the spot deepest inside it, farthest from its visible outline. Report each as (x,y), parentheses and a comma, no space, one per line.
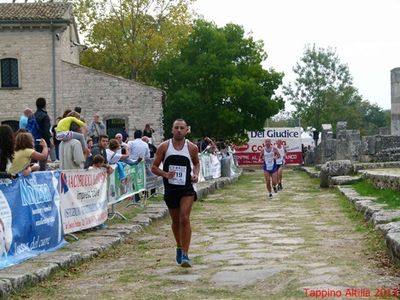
(217,83)
(128,37)
(323,92)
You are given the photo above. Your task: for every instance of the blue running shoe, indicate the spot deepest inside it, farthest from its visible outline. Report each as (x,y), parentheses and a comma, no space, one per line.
(179,255)
(185,261)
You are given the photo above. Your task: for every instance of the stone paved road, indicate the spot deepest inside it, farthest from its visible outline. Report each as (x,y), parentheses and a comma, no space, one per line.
(244,247)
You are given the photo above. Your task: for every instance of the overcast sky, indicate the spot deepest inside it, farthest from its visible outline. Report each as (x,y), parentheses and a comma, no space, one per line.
(365,34)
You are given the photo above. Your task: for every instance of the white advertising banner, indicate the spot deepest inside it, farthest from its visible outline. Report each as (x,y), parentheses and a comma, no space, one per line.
(249,153)
(83,199)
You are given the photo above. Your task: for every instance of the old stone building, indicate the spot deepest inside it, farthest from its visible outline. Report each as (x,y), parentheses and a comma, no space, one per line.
(39,57)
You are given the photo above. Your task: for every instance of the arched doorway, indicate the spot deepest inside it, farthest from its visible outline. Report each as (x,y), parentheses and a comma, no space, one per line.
(13,124)
(114,126)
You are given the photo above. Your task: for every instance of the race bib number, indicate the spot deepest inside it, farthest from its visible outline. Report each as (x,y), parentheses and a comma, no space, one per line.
(180,175)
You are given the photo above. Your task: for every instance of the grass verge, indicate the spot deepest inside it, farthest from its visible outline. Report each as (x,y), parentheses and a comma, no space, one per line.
(389,197)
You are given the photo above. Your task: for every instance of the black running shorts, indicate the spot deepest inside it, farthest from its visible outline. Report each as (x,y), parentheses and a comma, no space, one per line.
(173,198)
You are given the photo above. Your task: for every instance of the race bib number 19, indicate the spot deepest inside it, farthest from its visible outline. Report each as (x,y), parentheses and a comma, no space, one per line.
(180,175)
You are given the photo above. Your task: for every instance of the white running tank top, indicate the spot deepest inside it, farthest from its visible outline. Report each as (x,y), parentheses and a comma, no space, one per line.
(269,158)
(181,163)
(281,150)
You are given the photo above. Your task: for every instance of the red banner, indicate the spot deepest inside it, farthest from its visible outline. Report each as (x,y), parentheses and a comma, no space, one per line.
(249,154)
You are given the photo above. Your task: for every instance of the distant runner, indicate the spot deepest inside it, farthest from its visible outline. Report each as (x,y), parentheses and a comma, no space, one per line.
(280,161)
(268,155)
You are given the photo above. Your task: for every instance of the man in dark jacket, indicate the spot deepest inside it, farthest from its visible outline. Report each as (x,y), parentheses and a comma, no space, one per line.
(43,121)
(99,148)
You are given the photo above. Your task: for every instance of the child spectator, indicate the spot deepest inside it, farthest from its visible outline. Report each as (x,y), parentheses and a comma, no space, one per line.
(98,163)
(64,133)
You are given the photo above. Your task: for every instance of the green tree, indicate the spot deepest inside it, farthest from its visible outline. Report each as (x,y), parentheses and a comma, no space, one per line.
(320,78)
(128,37)
(374,117)
(283,119)
(343,105)
(217,83)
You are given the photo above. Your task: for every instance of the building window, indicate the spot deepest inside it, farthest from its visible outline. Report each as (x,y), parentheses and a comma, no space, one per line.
(9,72)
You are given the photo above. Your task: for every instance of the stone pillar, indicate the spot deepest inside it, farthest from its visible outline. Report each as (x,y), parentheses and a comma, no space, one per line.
(395,100)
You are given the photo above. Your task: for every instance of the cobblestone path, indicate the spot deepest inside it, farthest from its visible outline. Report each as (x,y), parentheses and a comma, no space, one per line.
(244,246)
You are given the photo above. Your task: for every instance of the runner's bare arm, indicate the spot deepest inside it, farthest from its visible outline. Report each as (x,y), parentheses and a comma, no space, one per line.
(194,154)
(276,153)
(261,158)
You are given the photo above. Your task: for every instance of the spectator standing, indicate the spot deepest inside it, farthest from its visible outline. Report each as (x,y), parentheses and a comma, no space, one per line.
(96,129)
(23,120)
(152,148)
(138,150)
(124,146)
(114,154)
(99,148)
(148,131)
(56,142)
(7,143)
(44,126)
(71,154)
(125,135)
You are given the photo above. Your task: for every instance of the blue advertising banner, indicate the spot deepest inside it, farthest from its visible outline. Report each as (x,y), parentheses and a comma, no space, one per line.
(30,221)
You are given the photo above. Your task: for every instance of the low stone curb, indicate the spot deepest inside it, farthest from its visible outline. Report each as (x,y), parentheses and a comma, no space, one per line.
(381,218)
(41,267)
(375,165)
(333,180)
(311,171)
(345,179)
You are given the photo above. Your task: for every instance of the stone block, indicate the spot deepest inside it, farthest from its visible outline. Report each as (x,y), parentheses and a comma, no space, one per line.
(345,180)
(334,168)
(64,259)
(385,216)
(142,220)
(392,240)
(5,288)
(389,227)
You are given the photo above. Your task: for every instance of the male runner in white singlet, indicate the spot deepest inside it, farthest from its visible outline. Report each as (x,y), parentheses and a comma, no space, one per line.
(181,169)
(268,155)
(280,162)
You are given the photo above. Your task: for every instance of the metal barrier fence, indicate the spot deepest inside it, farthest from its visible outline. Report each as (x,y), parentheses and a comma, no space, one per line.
(36,211)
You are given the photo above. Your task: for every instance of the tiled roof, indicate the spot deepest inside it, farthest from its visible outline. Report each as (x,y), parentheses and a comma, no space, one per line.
(33,11)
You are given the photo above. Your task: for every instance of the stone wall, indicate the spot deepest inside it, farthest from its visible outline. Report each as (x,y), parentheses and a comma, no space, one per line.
(75,85)
(32,48)
(113,97)
(349,144)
